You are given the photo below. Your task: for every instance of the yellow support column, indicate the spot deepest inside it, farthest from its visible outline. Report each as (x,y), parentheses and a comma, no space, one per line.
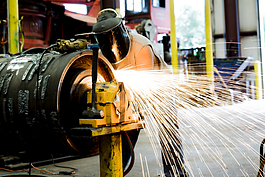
(110,149)
(257,71)
(174,47)
(13,29)
(208,51)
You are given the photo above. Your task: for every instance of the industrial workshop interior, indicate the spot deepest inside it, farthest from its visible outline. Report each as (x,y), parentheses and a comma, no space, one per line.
(113,88)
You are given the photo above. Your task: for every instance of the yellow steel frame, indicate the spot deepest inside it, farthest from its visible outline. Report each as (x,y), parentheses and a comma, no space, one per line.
(110,149)
(116,129)
(174,46)
(257,70)
(209,51)
(109,97)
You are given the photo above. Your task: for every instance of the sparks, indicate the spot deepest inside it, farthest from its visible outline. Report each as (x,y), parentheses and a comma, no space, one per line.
(223,136)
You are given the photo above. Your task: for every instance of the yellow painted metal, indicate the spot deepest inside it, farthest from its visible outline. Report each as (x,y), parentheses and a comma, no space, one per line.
(174,46)
(108,99)
(116,129)
(105,92)
(257,71)
(209,51)
(105,96)
(111,97)
(70,45)
(110,149)
(13,29)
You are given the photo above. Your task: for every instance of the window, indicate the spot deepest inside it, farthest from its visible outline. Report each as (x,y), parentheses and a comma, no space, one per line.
(76,8)
(159,3)
(137,7)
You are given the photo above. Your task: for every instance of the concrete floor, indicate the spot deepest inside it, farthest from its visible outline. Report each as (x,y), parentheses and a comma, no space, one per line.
(219,141)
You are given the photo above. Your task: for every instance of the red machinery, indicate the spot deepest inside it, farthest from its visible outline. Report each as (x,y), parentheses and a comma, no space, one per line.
(156,10)
(42,22)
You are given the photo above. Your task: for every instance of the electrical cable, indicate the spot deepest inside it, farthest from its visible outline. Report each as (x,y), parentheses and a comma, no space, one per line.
(32,49)
(44,170)
(59,166)
(59,173)
(37,90)
(132,155)
(37,84)
(38,73)
(31,165)
(29,169)
(5,169)
(22,33)
(37,98)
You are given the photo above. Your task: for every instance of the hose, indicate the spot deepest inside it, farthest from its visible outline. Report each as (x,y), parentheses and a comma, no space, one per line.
(132,156)
(46,171)
(63,172)
(59,166)
(38,73)
(38,49)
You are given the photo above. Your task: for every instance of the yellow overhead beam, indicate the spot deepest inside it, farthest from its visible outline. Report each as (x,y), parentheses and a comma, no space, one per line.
(13,29)
(174,46)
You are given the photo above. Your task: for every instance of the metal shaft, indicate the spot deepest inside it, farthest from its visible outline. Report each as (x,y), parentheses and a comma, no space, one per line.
(94,74)
(93,113)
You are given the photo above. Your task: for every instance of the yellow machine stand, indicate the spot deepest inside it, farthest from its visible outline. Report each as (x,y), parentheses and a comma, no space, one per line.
(112,99)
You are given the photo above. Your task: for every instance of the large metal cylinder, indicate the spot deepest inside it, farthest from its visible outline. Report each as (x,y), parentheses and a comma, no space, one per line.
(41,99)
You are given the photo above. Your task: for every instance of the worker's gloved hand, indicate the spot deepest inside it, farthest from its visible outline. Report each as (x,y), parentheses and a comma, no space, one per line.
(70,45)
